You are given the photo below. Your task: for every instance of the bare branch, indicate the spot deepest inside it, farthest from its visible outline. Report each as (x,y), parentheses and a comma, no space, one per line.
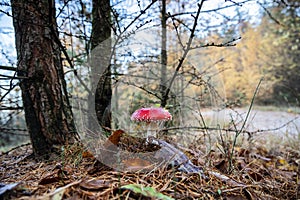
(142,88)
(11,108)
(211,10)
(7,77)
(11,87)
(269,14)
(186,50)
(226,44)
(8,68)
(177,32)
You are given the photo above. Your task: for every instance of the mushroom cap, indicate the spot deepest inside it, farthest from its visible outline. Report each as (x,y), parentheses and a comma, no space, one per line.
(151,114)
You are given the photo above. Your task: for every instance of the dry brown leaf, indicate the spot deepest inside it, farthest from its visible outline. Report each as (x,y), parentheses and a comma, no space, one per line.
(87,154)
(51,177)
(135,164)
(116,136)
(94,184)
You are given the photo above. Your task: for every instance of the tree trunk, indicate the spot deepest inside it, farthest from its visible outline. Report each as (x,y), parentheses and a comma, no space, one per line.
(47,109)
(100,63)
(164,57)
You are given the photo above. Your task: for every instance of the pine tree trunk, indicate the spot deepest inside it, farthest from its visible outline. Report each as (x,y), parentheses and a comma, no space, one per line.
(47,110)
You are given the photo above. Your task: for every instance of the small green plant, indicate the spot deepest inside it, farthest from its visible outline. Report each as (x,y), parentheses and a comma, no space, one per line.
(146,191)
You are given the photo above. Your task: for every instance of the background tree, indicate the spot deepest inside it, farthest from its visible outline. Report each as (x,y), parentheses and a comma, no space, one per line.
(281,51)
(101,92)
(163,54)
(47,109)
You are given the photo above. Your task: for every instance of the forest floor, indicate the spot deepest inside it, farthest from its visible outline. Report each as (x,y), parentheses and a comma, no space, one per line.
(260,168)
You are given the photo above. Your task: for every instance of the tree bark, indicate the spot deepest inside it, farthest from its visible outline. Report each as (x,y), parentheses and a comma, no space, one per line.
(47,109)
(100,63)
(164,56)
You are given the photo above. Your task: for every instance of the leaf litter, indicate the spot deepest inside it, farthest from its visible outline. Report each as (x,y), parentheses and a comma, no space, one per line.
(256,173)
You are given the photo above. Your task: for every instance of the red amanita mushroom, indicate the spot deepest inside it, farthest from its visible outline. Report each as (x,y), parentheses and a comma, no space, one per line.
(152,116)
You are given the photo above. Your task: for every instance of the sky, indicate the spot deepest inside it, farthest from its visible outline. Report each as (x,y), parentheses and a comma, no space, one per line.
(7,40)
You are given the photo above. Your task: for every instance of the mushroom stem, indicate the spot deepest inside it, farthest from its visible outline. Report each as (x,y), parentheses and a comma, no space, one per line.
(151,130)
